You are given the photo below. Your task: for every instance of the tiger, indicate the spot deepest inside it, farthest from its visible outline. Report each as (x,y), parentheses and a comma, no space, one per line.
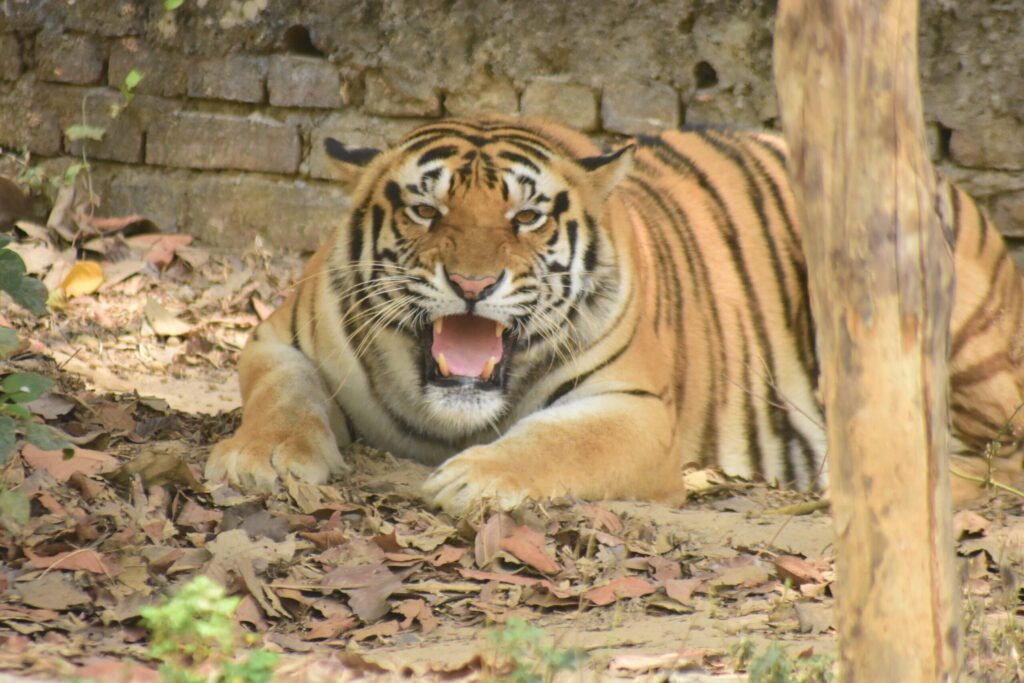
(535,317)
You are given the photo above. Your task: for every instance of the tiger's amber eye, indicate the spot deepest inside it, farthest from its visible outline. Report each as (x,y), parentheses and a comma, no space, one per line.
(526,217)
(425,211)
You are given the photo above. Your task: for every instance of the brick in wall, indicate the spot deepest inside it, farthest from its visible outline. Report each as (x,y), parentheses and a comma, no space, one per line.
(121,142)
(68,58)
(569,103)
(388,94)
(633,108)
(163,72)
(27,123)
(107,17)
(231,210)
(490,96)
(72,105)
(157,194)
(296,81)
(998,143)
(217,141)
(353,130)
(1008,213)
(10,57)
(726,107)
(238,78)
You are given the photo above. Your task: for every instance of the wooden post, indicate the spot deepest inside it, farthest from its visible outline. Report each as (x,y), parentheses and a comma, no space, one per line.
(881,271)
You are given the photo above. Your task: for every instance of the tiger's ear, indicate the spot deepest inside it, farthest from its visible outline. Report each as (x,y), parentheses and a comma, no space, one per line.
(607,170)
(350,161)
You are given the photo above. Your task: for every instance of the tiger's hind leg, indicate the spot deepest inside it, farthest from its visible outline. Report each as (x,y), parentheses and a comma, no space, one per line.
(986,354)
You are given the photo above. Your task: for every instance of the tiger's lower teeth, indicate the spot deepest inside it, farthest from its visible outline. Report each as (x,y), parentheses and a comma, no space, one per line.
(489,368)
(442,365)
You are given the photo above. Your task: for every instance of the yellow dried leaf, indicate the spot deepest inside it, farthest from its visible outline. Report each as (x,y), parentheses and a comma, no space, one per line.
(85,277)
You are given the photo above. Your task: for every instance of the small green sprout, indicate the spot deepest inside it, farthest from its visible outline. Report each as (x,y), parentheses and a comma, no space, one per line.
(197,627)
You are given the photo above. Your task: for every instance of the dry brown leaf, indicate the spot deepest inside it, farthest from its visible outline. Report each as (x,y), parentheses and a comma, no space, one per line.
(163,322)
(370,603)
(417,610)
(234,551)
(664,569)
(488,538)
(195,257)
(325,539)
(53,590)
(682,590)
(85,277)
(814,617)
(115,669)
(448,555)
(331,627)
(120,271)
(384,628)
(158,466)
(249,612)
(428,534)
(602,519)
(356,576)
(115,223)
(746,575)
(50,406)
(528,546)
(514,579)
(83,559)
(639,663)
(797,570)
(61,468)
(159,249)
(256,521)
(622,587)
(113,416)
(969,523)
(195,516)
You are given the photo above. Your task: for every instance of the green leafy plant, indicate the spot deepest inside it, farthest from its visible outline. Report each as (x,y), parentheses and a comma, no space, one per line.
(20,388)
(522,656)
(26,291)
(775,665)
(16,390)
(83,130)
(196,627)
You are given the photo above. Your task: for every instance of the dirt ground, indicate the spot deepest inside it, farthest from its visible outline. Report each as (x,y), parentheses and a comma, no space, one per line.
(361,579)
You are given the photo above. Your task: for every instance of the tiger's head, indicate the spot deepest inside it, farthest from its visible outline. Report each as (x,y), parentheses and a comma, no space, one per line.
(481,244)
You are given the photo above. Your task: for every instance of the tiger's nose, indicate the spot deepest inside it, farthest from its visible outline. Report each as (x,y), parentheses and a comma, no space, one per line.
(472,288)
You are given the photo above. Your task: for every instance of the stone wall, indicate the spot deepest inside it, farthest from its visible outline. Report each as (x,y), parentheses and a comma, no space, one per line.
(224,137)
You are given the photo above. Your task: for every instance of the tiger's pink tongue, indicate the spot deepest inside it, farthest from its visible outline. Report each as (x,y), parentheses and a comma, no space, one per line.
(468,342)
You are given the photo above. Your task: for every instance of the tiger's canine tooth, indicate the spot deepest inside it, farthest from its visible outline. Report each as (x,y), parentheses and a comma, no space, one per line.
(442,365)
(489,368)
(499,329)
(438,325)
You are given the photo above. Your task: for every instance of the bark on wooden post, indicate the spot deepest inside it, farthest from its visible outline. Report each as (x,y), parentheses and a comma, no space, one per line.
(881,287)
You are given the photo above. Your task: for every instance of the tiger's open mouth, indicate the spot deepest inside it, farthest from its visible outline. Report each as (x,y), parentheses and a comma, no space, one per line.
(461,350)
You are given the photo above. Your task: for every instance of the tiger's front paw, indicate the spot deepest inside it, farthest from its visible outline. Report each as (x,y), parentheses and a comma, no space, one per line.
(480,474)
(262,452)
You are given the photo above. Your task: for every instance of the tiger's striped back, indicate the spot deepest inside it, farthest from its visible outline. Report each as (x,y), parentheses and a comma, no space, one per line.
(729,283)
